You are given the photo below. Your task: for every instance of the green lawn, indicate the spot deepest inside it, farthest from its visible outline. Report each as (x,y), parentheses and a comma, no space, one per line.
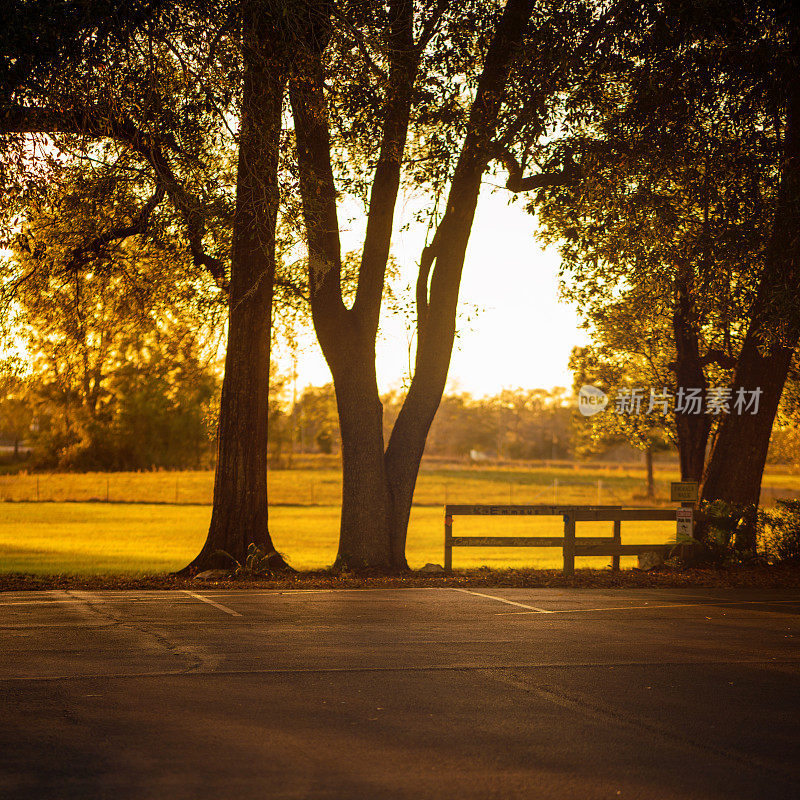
(144,530)
(95,538)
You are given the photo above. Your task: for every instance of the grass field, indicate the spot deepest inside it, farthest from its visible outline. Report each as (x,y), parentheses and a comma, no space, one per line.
(96,539)
(323,486)
(144,530)
(436,486)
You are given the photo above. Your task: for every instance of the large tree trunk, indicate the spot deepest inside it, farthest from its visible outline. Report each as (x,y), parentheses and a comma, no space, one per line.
(737,461)
(740,451)
(364,535)
(240,512)
(347,336)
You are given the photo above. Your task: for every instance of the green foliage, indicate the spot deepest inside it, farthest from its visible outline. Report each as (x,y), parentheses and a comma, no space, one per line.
(728,530)
(256,562)
(118,334)
(630,351)
(779,530)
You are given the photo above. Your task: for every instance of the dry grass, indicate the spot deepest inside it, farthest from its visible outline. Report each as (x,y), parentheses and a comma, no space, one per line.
(436,486)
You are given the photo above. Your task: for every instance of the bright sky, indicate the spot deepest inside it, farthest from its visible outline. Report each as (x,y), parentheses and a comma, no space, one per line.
(521,336)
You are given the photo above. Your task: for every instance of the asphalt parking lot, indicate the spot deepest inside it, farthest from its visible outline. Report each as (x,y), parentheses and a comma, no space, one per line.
(412,693)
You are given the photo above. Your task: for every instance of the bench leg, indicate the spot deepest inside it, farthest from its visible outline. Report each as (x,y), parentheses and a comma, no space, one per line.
(569,545)
(448,543)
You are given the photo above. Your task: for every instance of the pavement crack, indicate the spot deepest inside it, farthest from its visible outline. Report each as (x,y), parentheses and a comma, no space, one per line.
(603,712)
(99,608)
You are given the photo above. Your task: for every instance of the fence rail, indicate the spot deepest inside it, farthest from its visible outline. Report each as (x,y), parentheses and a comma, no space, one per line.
(571,545)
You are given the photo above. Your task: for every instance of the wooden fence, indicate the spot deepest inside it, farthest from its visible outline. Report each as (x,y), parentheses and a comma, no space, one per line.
(571,545)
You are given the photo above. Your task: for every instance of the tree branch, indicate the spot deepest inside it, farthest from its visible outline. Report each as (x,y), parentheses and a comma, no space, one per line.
(137,226)
(99,122)
(361,44)
(318,190)
(429,26)
(425,264)
(517,183)
(404,60)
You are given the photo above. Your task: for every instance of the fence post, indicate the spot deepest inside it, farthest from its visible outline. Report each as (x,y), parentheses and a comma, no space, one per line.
(617,541)
(448,540)
(569,545)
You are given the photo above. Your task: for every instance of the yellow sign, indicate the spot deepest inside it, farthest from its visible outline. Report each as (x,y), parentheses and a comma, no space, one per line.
(684,491)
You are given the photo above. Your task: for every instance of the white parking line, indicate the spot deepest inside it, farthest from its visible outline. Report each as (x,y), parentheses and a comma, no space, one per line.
(212,603)
(42,602)
(508,602)
(655,607)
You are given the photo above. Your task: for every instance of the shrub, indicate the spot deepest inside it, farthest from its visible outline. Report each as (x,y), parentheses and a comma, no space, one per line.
(729,532)
(779,531)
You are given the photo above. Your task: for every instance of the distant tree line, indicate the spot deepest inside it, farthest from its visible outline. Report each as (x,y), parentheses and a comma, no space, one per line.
(514,425)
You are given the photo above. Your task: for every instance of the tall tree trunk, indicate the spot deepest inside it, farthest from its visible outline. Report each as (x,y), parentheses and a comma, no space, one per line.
(651,483)
(692,429)
(240,513)
(437,307)
(377,486)
(347,336)
(737,461)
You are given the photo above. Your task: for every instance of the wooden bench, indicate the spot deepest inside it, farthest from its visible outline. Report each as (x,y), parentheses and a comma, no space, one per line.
(570,544)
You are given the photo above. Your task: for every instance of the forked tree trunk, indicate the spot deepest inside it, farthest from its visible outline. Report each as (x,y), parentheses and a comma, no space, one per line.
(347,336)
(737,461)
(378,487)
(240,514)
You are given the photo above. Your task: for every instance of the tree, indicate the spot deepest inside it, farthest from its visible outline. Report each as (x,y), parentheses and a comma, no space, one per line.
(740,450)
(620,363)
(314,418)
(240,512)
(120,325)
(160,82)
(377,486)
(685,192)
(16,410)
(410,79)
